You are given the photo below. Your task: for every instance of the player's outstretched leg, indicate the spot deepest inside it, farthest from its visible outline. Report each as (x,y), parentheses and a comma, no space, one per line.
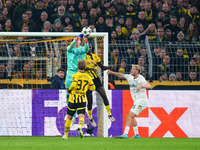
(102,92)
(129,119)
(67,127)
(89,106)
(67,97)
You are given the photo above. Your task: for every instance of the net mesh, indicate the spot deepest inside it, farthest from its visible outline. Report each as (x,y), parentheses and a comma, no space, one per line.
(30,63)
(157,59)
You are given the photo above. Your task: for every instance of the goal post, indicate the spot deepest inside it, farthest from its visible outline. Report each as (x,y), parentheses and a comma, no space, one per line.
(7,37)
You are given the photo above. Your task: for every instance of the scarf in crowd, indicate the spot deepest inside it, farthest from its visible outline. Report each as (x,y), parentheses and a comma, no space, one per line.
(192,68)
(159,40)
(150,16)
(164,67)
(7,29)
(193,17)
(25,23)
(182,11)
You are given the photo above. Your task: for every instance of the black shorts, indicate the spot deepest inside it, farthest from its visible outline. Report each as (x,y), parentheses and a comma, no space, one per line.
(72,107)
(97,82)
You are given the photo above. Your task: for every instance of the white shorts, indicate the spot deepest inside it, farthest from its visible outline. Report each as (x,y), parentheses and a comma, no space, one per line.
(137,109)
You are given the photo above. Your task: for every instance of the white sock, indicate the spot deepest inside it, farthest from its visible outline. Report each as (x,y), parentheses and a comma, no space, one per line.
(135,130)
(126,130)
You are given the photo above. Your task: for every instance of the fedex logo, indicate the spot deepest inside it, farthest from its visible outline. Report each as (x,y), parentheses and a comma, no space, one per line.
(48,113)
(170,113)
(168,122)
(42,112)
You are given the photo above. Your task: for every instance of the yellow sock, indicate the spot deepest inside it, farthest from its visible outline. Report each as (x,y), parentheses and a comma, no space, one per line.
(81,123)
(108,109)
(67,126)
(90,113)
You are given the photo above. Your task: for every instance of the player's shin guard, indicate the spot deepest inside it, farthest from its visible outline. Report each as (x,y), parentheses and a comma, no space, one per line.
(90,113)
(67,97)
(81,123)
(67,126)
(108,109)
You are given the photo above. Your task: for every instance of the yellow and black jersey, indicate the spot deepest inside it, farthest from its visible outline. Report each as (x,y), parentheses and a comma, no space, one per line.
(91,62)
(81,82)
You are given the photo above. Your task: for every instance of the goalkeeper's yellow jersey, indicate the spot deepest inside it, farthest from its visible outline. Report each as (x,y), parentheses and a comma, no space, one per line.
(81,82)
(91,62)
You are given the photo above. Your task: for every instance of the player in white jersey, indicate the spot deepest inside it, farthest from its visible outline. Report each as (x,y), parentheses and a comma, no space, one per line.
(138,86)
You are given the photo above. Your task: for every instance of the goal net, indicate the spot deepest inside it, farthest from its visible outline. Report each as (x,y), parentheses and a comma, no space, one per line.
(29,60)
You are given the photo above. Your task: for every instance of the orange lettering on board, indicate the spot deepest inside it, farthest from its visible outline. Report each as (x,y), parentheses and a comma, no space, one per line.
(168,122)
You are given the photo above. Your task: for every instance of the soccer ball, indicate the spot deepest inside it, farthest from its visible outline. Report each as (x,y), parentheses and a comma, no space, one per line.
(86,31)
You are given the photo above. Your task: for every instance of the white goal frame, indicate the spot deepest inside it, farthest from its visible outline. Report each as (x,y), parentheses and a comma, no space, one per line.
(71,34)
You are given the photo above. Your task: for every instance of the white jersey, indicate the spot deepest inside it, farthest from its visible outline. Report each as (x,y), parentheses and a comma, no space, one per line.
(139,98)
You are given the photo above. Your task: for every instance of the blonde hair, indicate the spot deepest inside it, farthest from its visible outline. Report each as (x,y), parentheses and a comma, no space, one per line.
(137,67)
(166,57)
(147,31)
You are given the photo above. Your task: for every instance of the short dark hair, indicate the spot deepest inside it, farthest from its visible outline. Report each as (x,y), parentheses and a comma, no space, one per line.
(81,64)
(60,69)
(173,17)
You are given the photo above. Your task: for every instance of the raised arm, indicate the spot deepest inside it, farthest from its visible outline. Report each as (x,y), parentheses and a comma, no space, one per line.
(104,67)
(120,75)
(146,86)
(86,46)
(69,48)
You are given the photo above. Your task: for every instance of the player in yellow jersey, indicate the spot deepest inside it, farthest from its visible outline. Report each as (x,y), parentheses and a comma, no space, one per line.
(81,83)
(92,61)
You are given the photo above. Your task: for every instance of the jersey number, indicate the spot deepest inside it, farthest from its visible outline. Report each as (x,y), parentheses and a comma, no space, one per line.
(80,82)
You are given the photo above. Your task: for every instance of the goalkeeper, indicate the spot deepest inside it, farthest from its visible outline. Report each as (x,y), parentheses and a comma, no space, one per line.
(75,52)
(92,60)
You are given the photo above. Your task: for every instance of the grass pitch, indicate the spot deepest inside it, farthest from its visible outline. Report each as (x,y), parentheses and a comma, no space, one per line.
(97,143)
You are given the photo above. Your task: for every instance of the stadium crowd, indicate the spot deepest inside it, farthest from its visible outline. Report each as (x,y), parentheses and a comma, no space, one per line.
(167,24)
